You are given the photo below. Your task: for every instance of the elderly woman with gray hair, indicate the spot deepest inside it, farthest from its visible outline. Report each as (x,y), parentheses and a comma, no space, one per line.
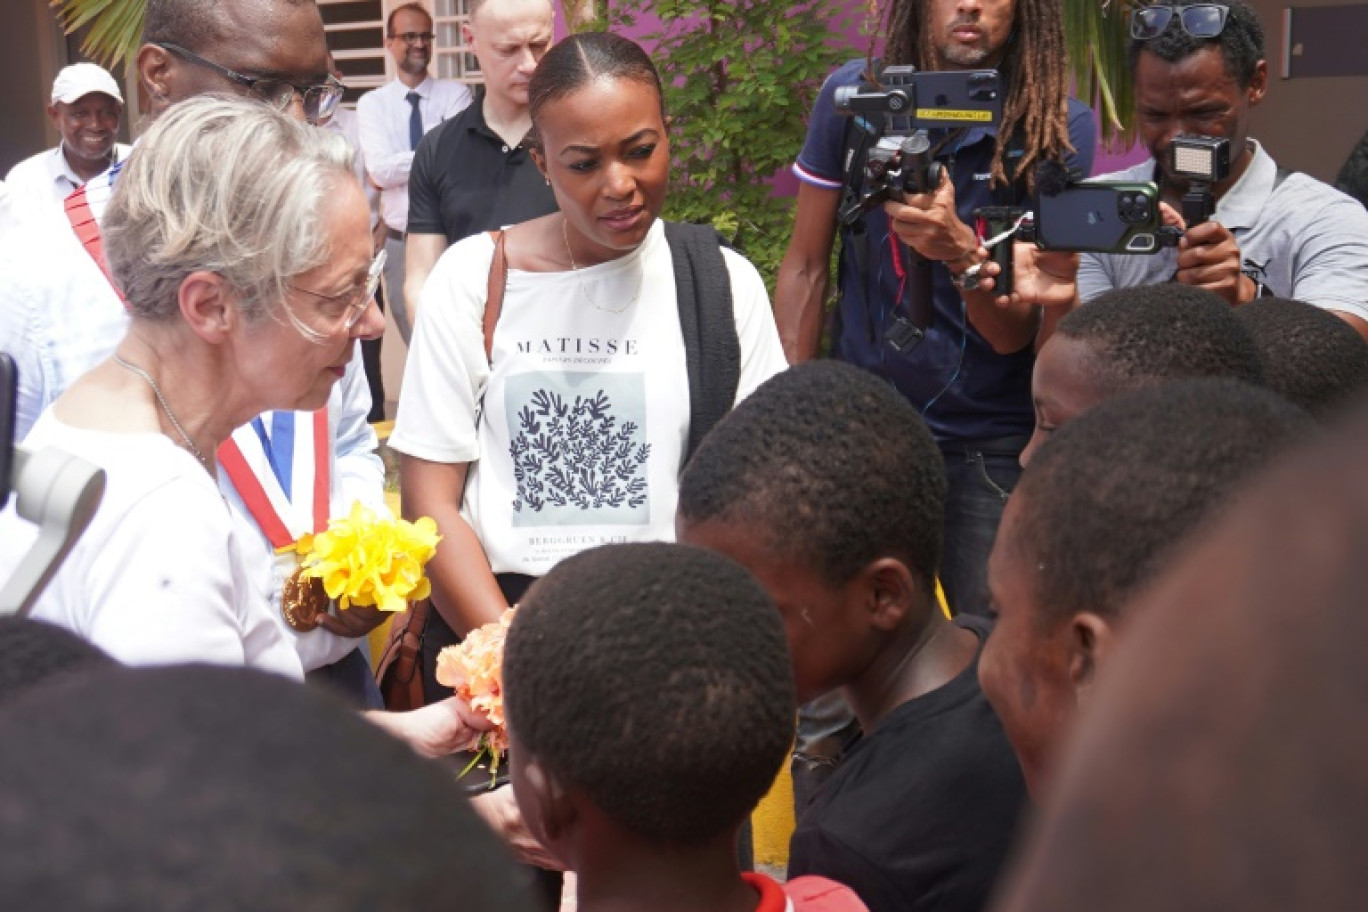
(240,239)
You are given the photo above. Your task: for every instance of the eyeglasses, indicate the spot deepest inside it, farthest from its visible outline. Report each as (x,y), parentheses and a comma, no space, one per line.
(412,38)
(1200,20)
(350,304)
(318,100)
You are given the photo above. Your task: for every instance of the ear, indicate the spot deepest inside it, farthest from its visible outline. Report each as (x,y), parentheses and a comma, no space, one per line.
(1090,646)
(206,304)
(553,808)
(1258,83)
(53,115)
(890,591)
(467,36)
(539,159)
(156,70)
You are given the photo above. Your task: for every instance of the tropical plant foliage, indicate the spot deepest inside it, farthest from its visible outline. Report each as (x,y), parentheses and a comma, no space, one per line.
(115,26)
(740,77)
(1095,32)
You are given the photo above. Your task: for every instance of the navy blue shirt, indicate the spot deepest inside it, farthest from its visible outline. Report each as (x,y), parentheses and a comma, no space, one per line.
(963,389)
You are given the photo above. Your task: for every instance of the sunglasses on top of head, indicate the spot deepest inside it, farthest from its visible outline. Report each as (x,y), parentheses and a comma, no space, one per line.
(1200,20)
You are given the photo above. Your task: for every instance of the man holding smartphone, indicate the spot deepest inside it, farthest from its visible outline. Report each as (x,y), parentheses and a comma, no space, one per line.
(968,369)
(1199,71)
(970,373)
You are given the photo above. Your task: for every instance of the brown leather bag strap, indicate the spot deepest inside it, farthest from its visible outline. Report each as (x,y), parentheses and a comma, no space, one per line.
(399,673)
(498,279)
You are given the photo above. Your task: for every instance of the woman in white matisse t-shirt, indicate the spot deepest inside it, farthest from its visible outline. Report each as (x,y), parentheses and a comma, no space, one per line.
(571,431)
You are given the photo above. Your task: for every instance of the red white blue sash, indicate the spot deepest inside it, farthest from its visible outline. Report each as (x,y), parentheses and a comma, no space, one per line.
(282,475)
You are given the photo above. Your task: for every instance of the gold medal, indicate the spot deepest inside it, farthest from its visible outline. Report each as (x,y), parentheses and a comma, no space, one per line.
(302,599)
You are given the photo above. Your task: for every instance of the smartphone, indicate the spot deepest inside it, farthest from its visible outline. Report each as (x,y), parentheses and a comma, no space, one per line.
(1100,217)
(9,392)
(944,98)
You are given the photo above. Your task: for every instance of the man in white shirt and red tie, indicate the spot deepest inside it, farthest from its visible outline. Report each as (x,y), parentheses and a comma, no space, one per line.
(85,108)
(393,118)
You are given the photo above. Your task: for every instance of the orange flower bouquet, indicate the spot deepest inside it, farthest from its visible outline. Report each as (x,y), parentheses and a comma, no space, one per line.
(474,669)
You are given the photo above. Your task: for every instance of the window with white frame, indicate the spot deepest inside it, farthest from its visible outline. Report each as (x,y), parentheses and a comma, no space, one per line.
(356,36)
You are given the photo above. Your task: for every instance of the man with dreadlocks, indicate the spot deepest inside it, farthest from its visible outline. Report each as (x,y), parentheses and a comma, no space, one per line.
(970,373)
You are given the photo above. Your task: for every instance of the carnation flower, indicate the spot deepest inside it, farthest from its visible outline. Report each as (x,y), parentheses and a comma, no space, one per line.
(474,669)
(364,560)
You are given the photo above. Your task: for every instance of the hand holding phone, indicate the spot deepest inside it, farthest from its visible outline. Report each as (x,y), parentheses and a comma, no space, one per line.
(1101,217)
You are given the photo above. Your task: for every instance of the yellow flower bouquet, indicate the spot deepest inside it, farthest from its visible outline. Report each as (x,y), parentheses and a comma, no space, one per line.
(362,559)
(474,669)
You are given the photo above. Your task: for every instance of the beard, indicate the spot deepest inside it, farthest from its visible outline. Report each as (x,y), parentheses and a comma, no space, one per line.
(963,56)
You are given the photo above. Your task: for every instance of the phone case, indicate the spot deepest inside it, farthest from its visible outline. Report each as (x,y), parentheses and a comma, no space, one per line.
(1100,217)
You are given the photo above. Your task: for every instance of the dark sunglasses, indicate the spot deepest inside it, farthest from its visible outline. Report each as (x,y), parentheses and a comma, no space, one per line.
(1200,20)
(412,38)
(318,100)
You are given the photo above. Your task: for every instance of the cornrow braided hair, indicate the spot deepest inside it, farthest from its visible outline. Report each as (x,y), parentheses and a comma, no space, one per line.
(1035,67)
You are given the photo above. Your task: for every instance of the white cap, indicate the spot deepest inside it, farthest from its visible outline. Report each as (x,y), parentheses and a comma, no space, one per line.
(80,79)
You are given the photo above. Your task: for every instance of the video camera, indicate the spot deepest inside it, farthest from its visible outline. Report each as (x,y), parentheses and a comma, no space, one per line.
(1116,216)
(898,112)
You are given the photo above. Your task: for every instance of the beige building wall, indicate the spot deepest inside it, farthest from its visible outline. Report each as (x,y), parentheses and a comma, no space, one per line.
(1308,124)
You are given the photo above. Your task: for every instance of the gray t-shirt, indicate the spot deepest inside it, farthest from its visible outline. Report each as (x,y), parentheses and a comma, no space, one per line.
(1301,239)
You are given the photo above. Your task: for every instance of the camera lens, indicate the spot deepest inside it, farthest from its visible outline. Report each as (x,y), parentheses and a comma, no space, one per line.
(1133,207)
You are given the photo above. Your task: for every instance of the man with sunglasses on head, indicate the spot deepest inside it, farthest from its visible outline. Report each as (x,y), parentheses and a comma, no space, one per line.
(1199,70)
(60,316)
(393,119)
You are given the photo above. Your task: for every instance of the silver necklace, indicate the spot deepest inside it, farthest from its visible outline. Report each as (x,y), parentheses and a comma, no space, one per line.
(171,416)
(584,288)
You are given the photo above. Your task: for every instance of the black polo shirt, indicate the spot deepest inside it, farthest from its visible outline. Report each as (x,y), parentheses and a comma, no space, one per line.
(466,179)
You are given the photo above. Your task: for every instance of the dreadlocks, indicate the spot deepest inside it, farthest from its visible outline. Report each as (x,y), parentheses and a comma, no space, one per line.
(1036,111)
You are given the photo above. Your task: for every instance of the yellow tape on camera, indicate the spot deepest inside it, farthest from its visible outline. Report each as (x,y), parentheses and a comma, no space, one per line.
(953,115)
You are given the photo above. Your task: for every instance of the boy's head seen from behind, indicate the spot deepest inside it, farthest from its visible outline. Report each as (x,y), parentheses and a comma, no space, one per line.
(827,486)
(648,685)
(1310,355)
(1131,338)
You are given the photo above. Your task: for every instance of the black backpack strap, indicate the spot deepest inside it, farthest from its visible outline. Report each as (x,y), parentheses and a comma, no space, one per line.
(707,317)
(1281,175)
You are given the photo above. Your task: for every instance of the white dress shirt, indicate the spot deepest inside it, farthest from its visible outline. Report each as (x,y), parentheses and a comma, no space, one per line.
(47,178)
(384,116)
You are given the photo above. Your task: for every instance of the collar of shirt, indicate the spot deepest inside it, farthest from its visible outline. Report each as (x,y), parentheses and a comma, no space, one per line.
(1240,206)
(424,88)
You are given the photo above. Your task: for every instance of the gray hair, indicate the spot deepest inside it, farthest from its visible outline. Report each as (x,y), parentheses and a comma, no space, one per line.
(224,185)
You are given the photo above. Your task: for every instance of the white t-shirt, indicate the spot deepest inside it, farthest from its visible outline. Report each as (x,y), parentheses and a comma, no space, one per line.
(157,577)
(583,423)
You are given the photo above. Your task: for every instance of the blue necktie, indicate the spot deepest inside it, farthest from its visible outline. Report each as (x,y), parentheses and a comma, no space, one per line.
(415,120)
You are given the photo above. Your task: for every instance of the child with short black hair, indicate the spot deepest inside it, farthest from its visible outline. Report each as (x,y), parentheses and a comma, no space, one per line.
(1130,338)
(1310,356)
(1096,515)
(650,704)
(829,488)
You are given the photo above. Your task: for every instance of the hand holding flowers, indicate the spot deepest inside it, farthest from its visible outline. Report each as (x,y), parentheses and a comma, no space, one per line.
(364,562)
(474,669)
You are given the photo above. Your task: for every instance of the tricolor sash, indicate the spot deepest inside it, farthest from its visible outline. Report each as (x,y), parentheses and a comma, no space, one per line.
(283,476)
